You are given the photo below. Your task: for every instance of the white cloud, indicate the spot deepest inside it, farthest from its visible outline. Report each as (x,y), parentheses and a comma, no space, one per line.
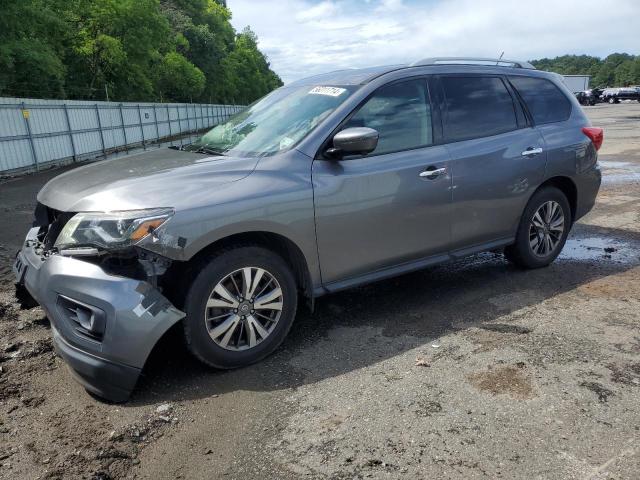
(305,37)
(316,12)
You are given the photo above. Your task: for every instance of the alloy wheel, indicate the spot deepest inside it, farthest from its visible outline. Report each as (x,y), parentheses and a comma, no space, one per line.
(546,229)
(243,308)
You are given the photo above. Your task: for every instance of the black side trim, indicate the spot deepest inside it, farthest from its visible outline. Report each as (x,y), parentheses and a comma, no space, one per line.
(411,266)
(386,273)
(483,247)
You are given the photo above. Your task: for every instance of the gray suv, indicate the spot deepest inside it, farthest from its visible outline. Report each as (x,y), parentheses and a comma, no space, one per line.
(327,183)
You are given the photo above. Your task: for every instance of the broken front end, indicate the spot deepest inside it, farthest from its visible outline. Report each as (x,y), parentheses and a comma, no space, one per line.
(102,292)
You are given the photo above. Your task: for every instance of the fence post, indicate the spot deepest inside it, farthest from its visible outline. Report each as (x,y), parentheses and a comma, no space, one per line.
(73,144)
(186,106)
(104,153)
(155,120)
(144,146)
(195,120)
(169,125)
(179,123)
(195,117)
(25,116)
(124,130)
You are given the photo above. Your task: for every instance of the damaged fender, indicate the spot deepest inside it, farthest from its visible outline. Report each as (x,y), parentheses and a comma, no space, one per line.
(105,326)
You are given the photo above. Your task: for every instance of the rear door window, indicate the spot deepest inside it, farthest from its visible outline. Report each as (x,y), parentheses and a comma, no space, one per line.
(545,101)
(476,107)
(401,113)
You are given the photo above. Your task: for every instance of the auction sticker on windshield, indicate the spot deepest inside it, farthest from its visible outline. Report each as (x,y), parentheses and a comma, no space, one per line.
(331,91)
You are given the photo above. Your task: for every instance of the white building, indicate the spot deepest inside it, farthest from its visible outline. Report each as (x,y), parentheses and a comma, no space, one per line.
(577,83)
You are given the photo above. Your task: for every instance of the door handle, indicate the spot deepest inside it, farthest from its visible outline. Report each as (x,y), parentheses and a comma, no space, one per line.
(530,152)
(433,174)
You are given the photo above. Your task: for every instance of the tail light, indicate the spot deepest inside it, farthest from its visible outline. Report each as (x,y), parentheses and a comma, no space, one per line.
(595,134)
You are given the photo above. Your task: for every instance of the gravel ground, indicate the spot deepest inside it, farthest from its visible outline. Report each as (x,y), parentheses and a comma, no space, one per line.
(468,370)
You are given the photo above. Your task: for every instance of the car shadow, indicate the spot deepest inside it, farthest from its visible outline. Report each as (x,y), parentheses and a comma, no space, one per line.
(396,315)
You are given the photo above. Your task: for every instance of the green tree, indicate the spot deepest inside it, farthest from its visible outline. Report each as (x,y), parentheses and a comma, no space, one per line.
(249,67)
(605,77)
(177,50)
(617,69)
(31,49)
(179,79)
(115,43)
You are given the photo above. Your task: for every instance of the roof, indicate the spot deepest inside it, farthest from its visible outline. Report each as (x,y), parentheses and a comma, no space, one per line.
(360,76)
(351,76)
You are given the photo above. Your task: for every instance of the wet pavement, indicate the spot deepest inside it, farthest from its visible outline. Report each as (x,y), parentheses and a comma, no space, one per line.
(602,249)
(468,370)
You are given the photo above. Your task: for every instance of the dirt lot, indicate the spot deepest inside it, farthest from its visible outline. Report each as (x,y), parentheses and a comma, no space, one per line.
(468,370)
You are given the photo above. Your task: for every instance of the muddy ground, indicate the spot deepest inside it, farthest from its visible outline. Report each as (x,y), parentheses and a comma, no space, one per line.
(468,370)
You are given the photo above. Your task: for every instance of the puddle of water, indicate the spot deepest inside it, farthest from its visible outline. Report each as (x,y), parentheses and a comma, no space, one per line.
(625,172)
(599,248)
(613,164)
(621,178)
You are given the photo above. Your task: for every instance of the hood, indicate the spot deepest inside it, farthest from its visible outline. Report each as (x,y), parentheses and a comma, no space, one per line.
(161,178)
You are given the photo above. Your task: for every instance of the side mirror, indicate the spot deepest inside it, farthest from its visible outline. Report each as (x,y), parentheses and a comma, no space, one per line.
(353,141)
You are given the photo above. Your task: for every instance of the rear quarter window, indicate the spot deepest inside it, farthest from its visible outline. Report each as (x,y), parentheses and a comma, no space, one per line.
(545,101)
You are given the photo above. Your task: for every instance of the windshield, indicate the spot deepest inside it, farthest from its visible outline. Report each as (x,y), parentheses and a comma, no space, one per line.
(275,123)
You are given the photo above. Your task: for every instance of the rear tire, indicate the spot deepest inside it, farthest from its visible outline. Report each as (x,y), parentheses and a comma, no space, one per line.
(225,330)
(543,230)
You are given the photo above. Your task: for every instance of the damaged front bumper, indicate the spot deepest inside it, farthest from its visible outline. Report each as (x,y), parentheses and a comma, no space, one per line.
(104,326)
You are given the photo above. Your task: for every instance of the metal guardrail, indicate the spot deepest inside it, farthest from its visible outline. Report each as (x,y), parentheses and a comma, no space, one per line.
(34,133)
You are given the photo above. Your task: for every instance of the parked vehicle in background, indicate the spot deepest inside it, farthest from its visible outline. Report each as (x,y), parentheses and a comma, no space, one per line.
(589,97)
(614,95)
(330,182)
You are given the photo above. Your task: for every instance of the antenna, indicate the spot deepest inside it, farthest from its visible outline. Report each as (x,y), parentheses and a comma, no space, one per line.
(499,58)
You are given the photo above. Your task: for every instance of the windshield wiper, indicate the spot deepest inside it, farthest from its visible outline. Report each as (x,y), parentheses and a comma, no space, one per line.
(208,150)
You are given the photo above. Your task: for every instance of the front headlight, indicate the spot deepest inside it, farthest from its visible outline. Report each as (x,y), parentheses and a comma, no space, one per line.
(111,230)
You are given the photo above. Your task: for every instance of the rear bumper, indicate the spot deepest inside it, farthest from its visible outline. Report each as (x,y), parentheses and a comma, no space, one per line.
(129,317)
(588,186)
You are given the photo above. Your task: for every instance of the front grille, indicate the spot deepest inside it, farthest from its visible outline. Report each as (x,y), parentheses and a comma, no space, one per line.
(51,223)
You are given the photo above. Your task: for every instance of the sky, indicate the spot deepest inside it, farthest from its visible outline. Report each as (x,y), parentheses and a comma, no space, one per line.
(305,37)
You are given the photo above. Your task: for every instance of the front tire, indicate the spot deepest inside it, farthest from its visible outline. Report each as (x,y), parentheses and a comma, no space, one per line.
(543,230)
(239,307)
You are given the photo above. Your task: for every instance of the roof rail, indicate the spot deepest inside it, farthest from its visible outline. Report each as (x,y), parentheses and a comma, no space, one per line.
(502,62)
